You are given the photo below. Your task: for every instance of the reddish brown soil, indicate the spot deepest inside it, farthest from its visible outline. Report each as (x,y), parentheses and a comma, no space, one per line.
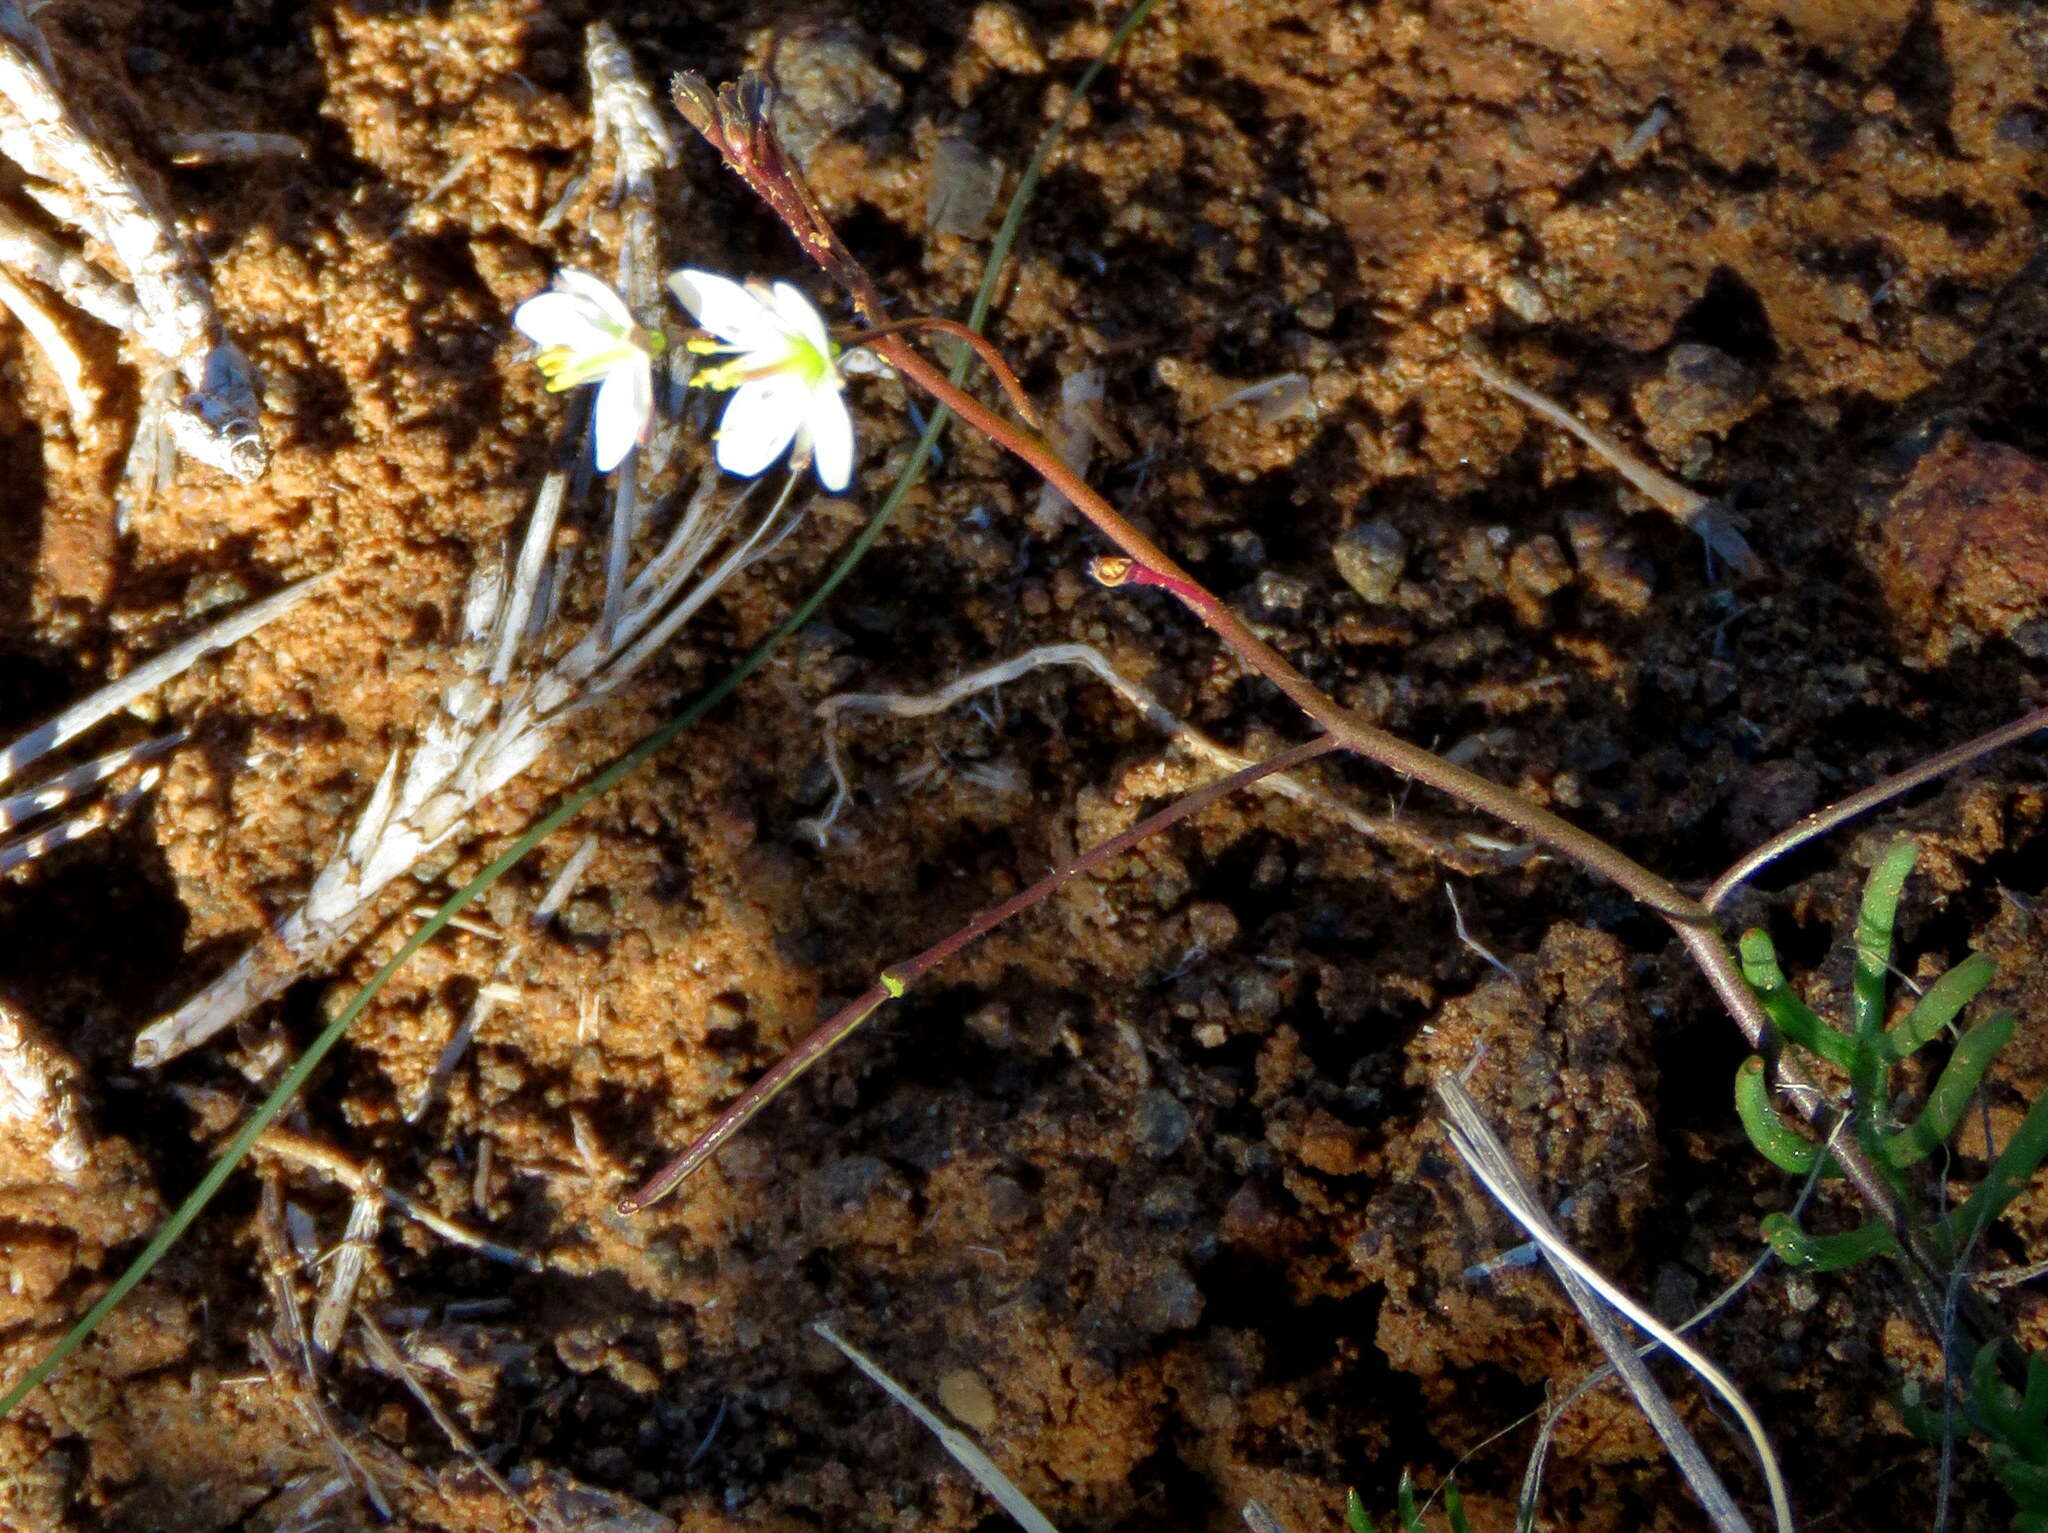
(1146,1188)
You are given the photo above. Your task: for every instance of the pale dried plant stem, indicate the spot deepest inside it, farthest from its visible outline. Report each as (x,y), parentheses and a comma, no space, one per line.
(964,1450)
(30,253)
(1178,731)
(1696,511)
(623,113)
(387,1359)
(36,1096)
(146,678)
(1592,1294)
(47,331)
(482,735)
(298,1150)
(175,313)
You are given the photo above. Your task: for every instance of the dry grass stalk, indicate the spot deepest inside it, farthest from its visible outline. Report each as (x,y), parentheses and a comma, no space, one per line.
(486,732)
(84,185)
(1597,1301)
(965,1451)
(387,1359)
(70,786)
(1704,516)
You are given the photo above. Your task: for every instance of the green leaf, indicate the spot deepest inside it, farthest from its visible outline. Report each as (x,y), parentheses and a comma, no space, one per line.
(1826,1253)
(2010,1173)
(1791,1016)
(1454,1508)
(1874,927)
(1775,1139)
(1951,1095)
(1355,1517)
(1944,999)
(1404,1503)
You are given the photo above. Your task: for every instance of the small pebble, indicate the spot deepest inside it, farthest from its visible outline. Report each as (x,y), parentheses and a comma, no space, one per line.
(967,1400)
(1371,557)
(1163,1124)
(1172,1301)
(1702,390)
(1280,593)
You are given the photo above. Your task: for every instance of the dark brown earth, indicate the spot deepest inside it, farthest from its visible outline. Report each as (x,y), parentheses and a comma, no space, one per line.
(1145,1189)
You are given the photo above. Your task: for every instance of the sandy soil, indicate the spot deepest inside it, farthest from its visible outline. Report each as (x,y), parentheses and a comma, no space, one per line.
(1146,1188)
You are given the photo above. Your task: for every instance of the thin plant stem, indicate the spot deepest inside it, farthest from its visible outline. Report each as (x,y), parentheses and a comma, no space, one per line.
(735,122)
(288,1087)
(1821,821)
(899,977)
(1013,387)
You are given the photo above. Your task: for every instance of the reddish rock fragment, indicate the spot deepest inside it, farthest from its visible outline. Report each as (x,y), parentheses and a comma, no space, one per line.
(1963,554)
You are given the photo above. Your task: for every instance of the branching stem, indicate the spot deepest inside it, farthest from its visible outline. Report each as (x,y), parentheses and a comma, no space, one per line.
(893,981)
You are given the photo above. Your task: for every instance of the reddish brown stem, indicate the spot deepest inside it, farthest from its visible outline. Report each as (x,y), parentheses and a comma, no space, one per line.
(899,977)
(980,344)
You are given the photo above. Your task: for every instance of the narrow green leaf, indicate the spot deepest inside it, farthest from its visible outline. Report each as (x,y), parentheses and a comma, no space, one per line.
(1875,924)
(1775,1139)
(1951,1095)
(1355,1516)
(1825,1253)
(1945,998)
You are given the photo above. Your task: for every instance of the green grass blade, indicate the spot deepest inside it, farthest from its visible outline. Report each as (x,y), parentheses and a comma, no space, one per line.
(1454,1508)
(1951,1095)
(1875,923)
(181,1219)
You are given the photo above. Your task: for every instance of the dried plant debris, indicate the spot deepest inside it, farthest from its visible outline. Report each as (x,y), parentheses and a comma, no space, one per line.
(518,682)
(37,1104)
(70,790)
(1706,517)
(166,306)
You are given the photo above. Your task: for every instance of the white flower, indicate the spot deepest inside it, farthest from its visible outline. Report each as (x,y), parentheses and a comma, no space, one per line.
(587,335)
(783,373)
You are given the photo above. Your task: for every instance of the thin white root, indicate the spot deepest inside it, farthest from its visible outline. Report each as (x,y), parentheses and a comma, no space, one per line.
(217,420)
(482,737)
(911,706)
(1702,515)
(36,1099)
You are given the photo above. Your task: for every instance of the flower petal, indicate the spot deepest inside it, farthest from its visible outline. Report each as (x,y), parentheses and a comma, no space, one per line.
(624,401)
(560,319)
(725,308)
(830,427)
(580,284)
(760,423)
(799,316)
